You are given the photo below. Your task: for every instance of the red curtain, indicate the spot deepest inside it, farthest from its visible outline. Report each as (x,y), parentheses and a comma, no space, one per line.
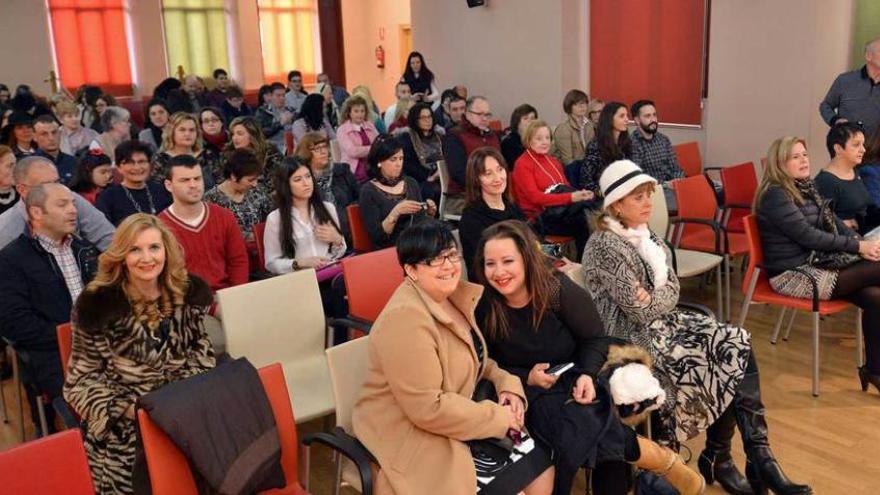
(91,44)
(649,49)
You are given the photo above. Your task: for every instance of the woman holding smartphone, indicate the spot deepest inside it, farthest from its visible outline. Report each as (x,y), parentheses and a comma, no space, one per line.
(534,317)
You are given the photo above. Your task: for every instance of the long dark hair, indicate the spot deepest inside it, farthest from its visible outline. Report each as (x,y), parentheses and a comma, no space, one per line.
(872,148)
(412,118)
(312,111)
(425,73)
(82,174)
(156,131)
(609,149)
(540,279)
(284,201)
(476,166)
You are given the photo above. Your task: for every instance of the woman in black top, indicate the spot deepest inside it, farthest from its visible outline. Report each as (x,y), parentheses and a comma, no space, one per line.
(488,199)
(841,182)
(420,78)
(535,317)
(511,144)
(422,148)
(390,202)
(612,143)
(136,193)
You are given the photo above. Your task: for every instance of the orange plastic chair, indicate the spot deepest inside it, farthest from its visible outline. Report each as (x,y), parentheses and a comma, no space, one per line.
(756,287)
(54,464)
(740,183)
(259,232)
(370,280)
(689,158)
(65,343)
(289,143)
(496,126)
(360,239)
(170,471)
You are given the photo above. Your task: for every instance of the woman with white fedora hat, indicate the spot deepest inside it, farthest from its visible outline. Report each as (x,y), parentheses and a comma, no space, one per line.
(707,367)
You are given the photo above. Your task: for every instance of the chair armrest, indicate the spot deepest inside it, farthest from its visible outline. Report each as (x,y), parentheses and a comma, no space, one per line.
(736,206)
(350,447)
(697,308)
(68,417)
(717,228)
(351,322)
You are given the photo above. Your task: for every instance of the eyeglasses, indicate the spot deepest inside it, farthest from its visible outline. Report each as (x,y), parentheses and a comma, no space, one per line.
(319,147)
(438,261)
(484,115)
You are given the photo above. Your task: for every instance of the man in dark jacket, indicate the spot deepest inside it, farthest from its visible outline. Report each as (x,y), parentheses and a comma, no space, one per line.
(473,132)
(274,118)
(47,134)
(44,271)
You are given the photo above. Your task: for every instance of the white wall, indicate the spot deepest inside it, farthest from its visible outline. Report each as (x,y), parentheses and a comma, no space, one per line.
(25,45)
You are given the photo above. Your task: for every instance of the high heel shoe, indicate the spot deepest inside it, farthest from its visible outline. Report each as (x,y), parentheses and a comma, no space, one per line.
(865,377)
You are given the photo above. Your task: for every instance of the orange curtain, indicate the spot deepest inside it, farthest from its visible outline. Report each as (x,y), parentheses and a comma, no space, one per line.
(649,50)
(289,37)
(91,44)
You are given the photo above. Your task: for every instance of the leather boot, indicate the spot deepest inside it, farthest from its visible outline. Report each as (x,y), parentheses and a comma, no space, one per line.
(715,462)
(666,463)
(762,469)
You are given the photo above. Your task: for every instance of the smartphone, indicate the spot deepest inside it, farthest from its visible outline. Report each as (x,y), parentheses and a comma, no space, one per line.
(559,369)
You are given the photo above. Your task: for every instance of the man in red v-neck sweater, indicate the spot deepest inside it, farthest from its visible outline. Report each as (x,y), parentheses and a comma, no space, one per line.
(209,234)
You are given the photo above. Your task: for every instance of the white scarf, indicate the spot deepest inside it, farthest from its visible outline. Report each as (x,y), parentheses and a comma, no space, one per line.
(650,251)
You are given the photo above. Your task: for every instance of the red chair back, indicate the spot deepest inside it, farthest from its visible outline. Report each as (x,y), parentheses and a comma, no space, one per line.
(54,464)
(169,469)
(756,252)
(288,141)
(65,343)
(740,184)
(689,158)
(496,126)
(360,239)
(696,199)
(259,232)
(370,280)
(135,107)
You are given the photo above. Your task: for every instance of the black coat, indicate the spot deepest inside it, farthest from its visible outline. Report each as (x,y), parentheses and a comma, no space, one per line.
(790,233)
(346,191)
(475,219)
(511,148)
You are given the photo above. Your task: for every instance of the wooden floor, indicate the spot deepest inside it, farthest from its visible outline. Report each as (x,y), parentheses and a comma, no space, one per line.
(828,442)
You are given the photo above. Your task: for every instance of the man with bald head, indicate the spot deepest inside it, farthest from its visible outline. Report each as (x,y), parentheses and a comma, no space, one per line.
(37,170)
(855,95)
(194,87)
(44,271)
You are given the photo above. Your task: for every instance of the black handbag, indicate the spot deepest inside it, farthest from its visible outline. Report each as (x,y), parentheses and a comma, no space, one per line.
(831,260)
(561,212)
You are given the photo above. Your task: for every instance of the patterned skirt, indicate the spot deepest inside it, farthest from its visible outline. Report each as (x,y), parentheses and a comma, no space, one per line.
(700,363)
(513,473)
(795,284)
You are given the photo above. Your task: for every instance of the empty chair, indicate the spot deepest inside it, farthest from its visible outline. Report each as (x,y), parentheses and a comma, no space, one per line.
(54,464)
(169,469)
(740,182)
(689,158)
(281,320)
(360,238)
(370,280)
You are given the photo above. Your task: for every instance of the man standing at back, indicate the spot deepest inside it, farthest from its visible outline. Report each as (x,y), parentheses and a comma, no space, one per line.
(473,132)
(43,272)
(855,96)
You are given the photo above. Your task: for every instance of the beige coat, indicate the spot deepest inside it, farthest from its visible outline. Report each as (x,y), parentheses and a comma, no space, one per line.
(415,411)
(568,142)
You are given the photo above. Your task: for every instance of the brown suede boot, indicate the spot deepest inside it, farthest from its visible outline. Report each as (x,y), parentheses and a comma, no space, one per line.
(666,463)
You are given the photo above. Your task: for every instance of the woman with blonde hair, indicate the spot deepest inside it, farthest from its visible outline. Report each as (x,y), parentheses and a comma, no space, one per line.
(183,136)
(137,326)
(808,249)
(373,113)
(356,134)
(245,133)
(334,181)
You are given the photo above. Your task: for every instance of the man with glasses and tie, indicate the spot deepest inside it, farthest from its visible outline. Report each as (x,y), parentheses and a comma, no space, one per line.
(473,132)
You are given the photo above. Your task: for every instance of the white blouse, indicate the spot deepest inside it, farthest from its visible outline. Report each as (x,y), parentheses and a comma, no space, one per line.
(307,245)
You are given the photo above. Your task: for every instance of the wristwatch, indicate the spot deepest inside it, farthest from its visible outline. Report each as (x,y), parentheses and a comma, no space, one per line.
(295,265)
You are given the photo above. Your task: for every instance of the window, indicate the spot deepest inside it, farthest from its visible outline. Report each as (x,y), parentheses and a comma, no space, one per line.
(91,44)
(289,35)
(649,50)
(195,35)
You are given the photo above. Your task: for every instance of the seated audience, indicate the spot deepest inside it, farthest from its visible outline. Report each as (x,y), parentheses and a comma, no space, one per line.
(296,93)
(214,132)
(182,136)
(47,135)
(245,134)
(420,79)
(543,192)
(535,316)
(355,136)
(194,88)
(423,147)
(806,245)
(138,326)
(136,193)
(840,181)
(74,136)
(24,100)
(416,409)
(312,118)
(451,109)
(178,101)
(571,137)
(401,91)
(33,171)
(488,199)
(274,118)
(334,181)
(339,93)
(157,120)
(166,86)
(331,109)
(8,194)
(612,143)
(44,271)
(511,144)
(18,134)
(594,111)
(471,133)
(102,103)
(652,150)
(869,170)
(390,202)
(218,95)
(239,193)
(94,172)
(234,106)
(116,122)
(399,124)
(373,114)
(708,368)
(4,95)
(209,234)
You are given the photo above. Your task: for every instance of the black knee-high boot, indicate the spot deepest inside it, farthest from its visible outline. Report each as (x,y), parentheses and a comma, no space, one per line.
(762,469)
(716,463)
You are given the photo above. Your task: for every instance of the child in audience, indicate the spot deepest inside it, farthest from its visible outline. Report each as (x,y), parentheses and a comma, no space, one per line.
(74,137)
(94,172)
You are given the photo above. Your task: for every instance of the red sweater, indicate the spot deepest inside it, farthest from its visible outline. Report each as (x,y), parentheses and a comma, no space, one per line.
(533,173)
(214,249)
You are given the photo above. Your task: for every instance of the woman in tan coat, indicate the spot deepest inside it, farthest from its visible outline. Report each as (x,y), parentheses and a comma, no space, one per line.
(571,137)
(426,356)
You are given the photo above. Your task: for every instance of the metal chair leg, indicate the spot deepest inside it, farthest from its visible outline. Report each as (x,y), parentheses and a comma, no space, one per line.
(790,324)
(17,381)
(3,404)
(727,285)
(744,311)
(815,354)
(778,326)
(338,485)
(304,465)
(860,340)
(41,412)
(720,290)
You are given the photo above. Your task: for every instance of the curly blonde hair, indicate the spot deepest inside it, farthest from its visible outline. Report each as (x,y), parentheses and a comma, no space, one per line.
(173,123)
(259,145)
